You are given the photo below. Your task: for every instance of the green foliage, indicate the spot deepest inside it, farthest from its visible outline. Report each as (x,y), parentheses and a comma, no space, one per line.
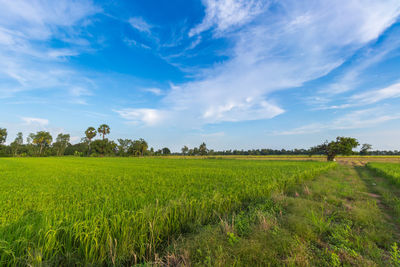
(365,148)
(342,146)
(104,129)
(395,255)
(42,140)
(104,147)
(61,144)
(335,260)
(185,150)
(232,238)
(17,144)
(105,211)
(3,135)
(165,151)
(203,149)
(90,133)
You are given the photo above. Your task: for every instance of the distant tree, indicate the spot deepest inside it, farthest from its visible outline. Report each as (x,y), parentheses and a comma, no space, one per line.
(143,146)
(166,151)
(82,148)
(30,138)
(62,142)
(16,145)
(90,133)
(342,146)
(203,149)
(184,150)
(42,139)
(104,147)
(123,147)
(135,148)
(104,129)
(365,148)
(3,135)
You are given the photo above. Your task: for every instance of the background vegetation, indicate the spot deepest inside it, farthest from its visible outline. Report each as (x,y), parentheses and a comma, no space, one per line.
(41,144)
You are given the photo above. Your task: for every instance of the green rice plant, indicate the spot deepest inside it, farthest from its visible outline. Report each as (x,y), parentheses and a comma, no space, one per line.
(387,170)
(91,211)
(395,255)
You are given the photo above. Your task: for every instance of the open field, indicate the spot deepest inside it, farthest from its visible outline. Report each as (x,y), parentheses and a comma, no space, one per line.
(66,211)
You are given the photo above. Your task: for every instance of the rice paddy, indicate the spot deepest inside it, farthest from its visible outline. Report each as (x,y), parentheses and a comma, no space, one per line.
(79,211)
(388,170)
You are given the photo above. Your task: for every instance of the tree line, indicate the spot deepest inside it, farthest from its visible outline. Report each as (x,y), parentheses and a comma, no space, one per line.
(41,144)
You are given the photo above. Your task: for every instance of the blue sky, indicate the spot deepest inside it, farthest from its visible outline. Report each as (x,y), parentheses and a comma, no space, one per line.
(236,74)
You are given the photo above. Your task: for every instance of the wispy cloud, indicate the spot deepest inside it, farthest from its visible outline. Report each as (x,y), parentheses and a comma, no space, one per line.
(147,116)
(140,24)
(38,121)
(154,90)
(367,98)
(274,50)
(358,119)
(27,60)
(226,14)
(352,78)
(375,96)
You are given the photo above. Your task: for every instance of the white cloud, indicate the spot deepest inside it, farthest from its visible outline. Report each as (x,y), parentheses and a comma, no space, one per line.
(155,91)
(77,91)
(368,98)
(352,76)
(280,49)
(374,96)
(38,19)
(140,24)
(27,62)
(147,116)
(225,14)
(37,121)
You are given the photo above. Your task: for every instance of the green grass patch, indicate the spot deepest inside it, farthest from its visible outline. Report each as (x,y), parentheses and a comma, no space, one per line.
(79,211)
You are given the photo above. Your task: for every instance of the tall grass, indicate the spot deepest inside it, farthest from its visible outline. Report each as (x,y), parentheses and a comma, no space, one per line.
(388,170)
(66,211)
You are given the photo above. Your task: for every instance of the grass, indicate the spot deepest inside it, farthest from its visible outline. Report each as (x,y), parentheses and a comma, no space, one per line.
(121,211)
(388,170)
(383,181)
(333,220)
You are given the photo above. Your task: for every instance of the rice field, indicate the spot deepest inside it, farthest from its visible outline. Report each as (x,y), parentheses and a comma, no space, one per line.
(388,170)
(79,211)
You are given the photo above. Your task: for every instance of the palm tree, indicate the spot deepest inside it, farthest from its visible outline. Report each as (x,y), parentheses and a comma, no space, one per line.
(90,134)
(104,129)
(143,146)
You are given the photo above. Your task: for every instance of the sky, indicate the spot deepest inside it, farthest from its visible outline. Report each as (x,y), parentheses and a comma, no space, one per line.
(236,74)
